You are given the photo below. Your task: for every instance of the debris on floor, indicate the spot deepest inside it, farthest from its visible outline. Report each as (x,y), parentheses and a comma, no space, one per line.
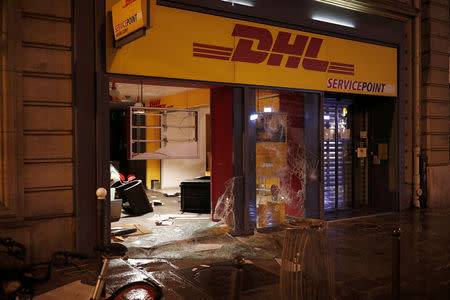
(120,232)
(180,217)
(163,222)
(157,202)
(207,247)
(174,194)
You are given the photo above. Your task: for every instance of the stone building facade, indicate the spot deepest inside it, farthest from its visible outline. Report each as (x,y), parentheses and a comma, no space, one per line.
(51,61)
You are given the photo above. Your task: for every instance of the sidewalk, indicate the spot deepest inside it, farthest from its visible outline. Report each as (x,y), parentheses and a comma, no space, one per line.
(361,250)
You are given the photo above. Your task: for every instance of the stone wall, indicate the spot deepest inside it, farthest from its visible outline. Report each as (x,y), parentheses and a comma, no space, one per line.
(435,99)
(40,92)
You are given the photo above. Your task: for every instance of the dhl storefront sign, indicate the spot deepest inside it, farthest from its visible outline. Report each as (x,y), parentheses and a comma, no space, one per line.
(128,16)
(188,45)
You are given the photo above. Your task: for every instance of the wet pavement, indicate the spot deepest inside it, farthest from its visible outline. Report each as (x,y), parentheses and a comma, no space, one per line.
(361,252)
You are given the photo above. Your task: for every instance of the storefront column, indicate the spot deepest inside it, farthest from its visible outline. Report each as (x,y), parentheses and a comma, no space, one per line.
(250,211)
(244,155)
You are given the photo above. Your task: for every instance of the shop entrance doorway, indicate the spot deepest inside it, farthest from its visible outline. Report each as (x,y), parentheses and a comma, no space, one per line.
(358,156)
(161,160)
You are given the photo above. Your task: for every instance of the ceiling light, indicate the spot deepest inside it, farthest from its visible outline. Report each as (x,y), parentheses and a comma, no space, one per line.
(240,2)
(333,21)
(253,117)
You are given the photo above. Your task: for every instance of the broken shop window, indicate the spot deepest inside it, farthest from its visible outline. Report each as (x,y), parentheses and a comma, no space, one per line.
(284,164)
(224,210)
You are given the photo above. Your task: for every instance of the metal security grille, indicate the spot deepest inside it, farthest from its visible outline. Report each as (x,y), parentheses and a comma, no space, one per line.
(162,133)
(337,157)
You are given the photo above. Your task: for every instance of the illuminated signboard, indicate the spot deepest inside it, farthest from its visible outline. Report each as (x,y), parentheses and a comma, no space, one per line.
(129,19)
(189,45)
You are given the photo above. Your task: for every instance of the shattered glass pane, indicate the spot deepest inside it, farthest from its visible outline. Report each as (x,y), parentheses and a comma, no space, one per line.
(282,161)
(224,210)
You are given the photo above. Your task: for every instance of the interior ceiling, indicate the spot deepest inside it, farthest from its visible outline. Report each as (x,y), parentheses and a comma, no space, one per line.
(130,91)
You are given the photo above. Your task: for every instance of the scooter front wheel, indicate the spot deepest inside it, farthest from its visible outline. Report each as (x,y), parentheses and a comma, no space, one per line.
(138,291)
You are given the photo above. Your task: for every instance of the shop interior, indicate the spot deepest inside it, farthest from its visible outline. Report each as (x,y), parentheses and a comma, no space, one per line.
(161,160)
(160,152)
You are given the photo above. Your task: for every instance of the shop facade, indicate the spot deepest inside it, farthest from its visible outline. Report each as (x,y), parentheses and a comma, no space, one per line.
(275,85)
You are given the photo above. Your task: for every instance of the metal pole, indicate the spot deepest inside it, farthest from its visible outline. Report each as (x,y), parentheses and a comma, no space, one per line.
(396,263)
(101,215)
(237,277)
(103,240)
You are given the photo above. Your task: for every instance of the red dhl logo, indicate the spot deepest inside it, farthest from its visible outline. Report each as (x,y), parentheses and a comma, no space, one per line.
(274,51)
(128,2)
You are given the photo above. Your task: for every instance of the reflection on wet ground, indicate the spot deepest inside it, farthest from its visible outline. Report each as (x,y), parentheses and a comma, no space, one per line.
(361,251)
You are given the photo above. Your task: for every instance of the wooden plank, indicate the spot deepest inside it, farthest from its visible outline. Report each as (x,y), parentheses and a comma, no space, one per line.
(47,60)
(49,203)
(47,89)
(46,32)
(47,175)
(59,8)
(47,146)
(47,118)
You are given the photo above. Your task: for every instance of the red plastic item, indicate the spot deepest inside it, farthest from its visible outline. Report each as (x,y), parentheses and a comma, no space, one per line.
(122,177)
(131,177)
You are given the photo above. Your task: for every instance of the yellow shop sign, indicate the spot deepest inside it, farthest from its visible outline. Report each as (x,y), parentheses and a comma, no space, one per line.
(195,46)
(128,16)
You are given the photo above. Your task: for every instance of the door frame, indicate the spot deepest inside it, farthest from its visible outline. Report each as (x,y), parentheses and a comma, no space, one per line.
(399,140)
